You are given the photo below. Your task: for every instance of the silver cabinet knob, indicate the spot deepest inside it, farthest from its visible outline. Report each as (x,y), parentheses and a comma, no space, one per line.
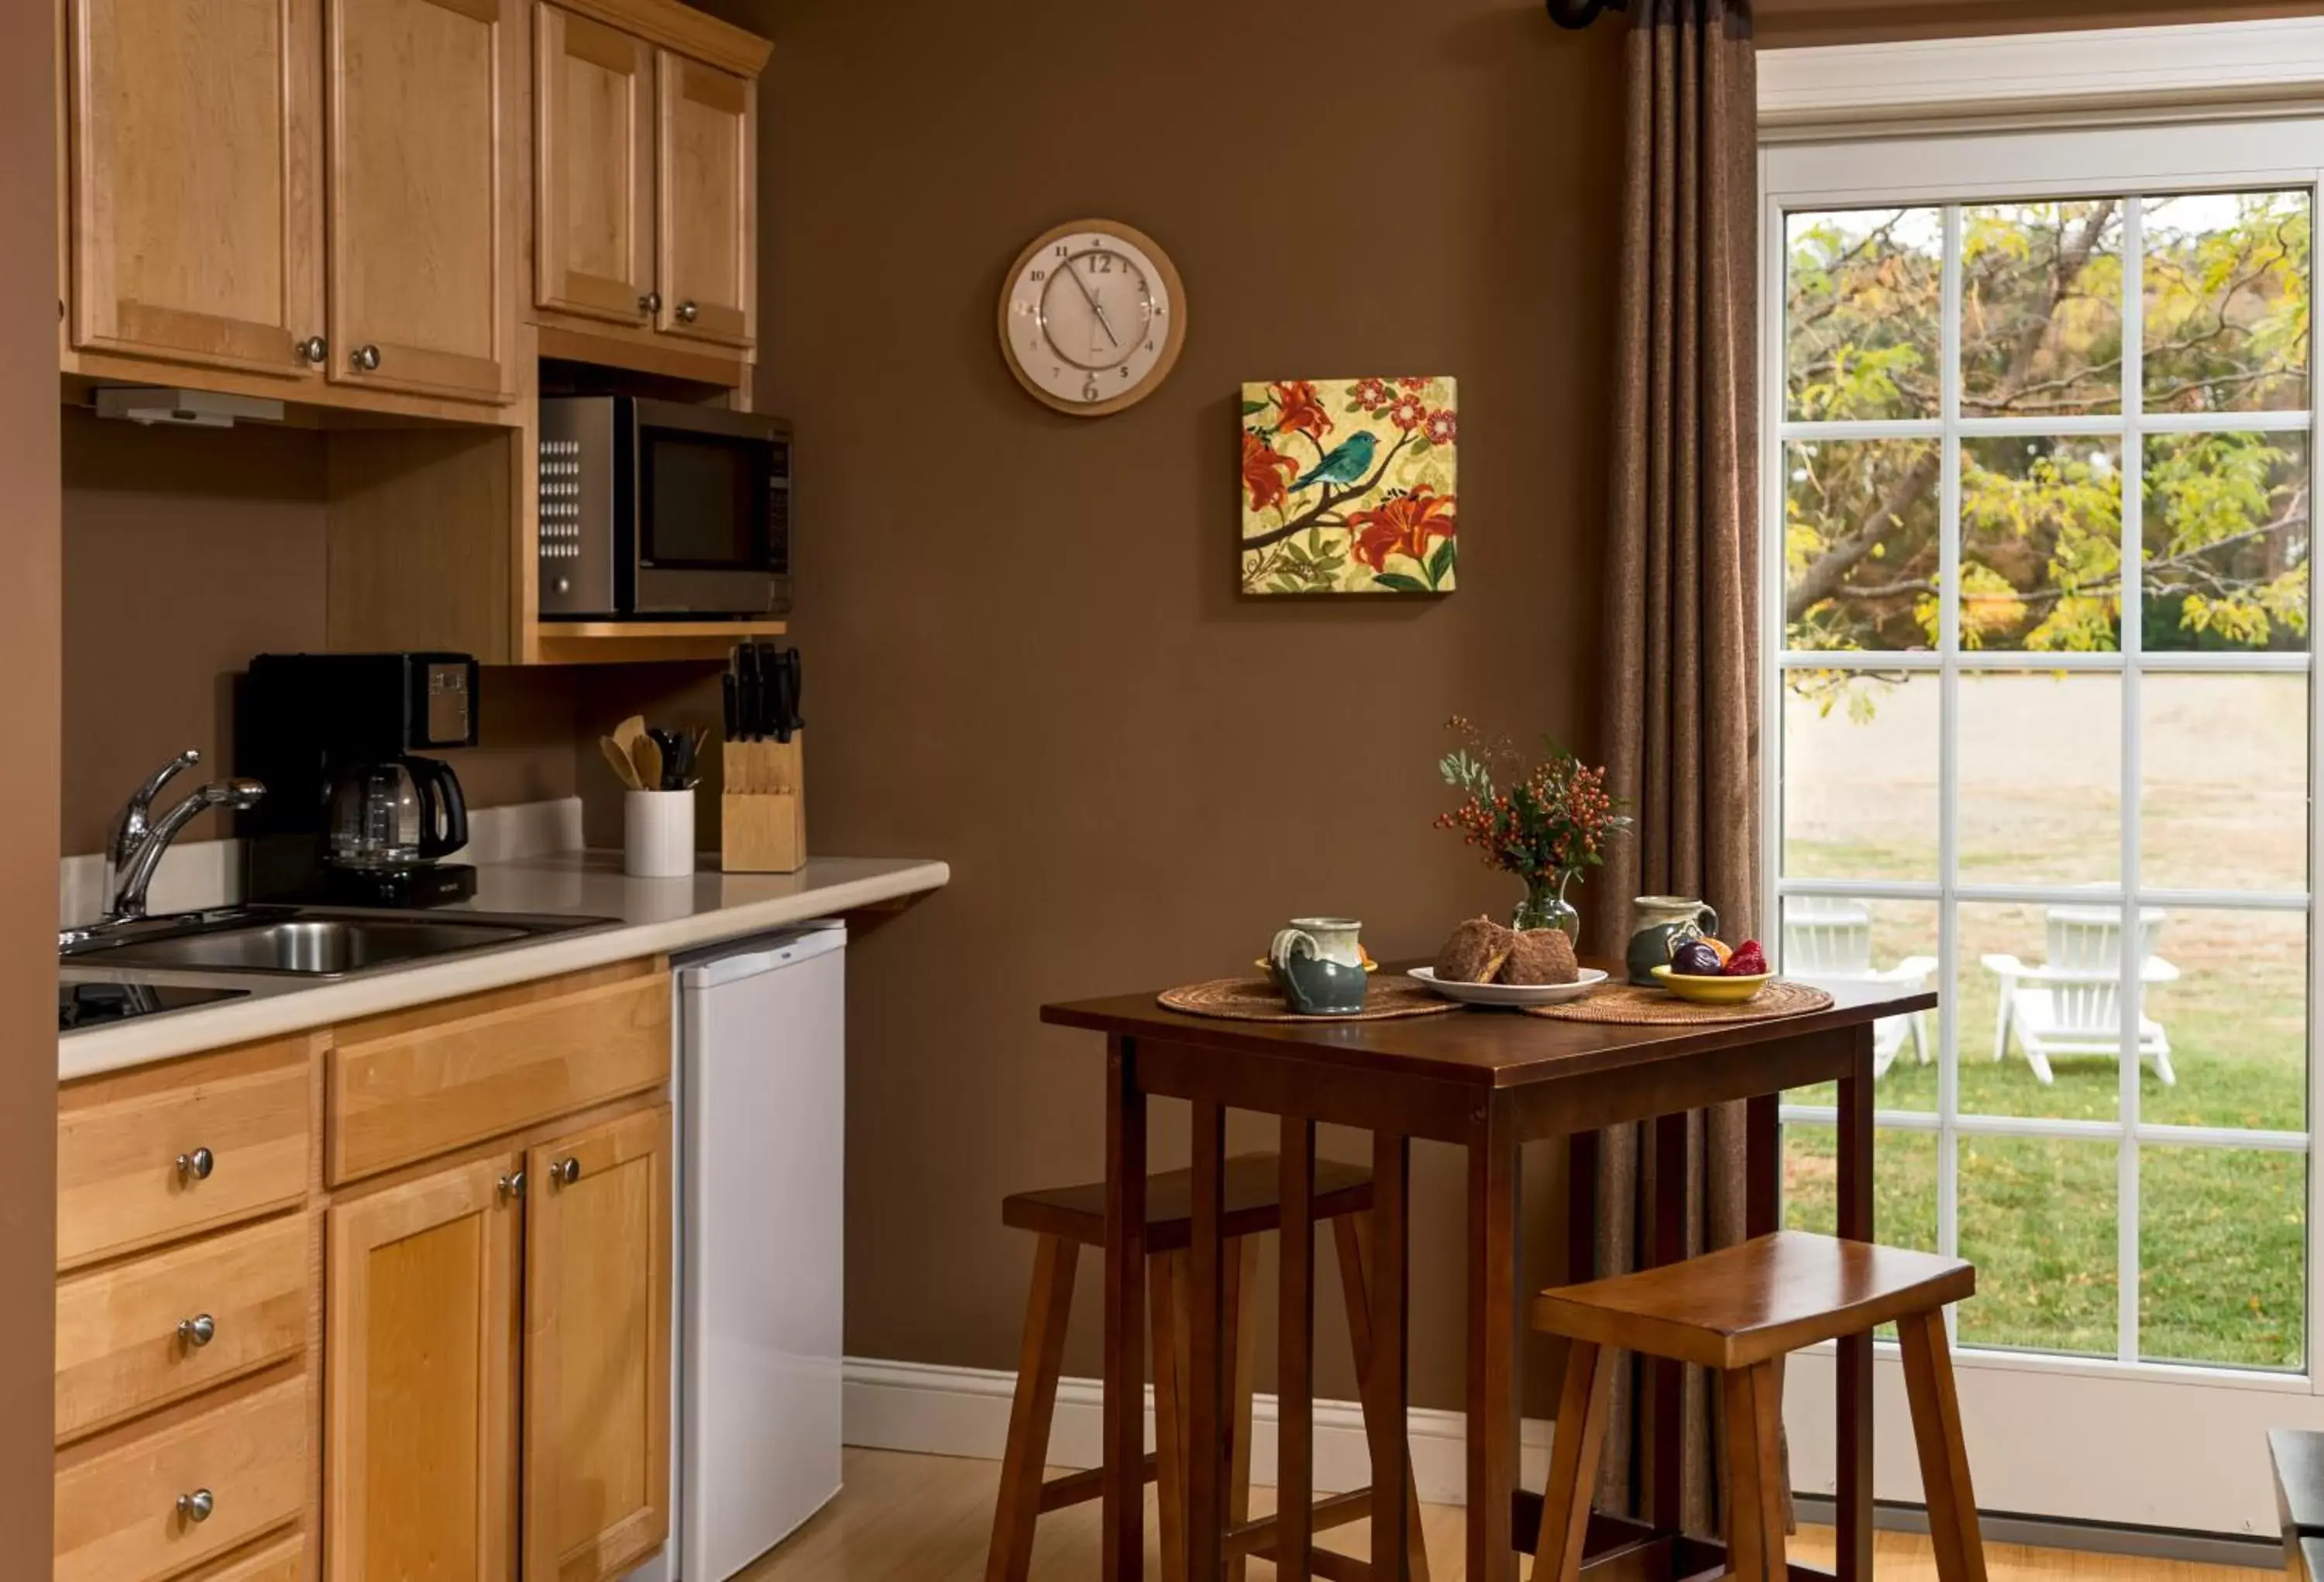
(366,358)
(196,1506)
(565,1171)
(199,1330)
(314,348)
(687,312)
(197,1166)
(512,1186)
(650,302)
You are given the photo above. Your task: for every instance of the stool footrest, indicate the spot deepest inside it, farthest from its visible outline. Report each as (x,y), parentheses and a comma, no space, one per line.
(1257,1538)
(1078,1488)
(1334,1567)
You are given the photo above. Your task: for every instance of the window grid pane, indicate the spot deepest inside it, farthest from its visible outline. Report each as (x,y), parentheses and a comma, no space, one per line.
(2230,544)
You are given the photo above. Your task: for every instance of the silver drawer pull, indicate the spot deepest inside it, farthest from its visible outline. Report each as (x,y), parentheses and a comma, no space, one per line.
(687,312)
(196,1506)
(199,1330)
(512,1186)
(565,1171)
(197,1166)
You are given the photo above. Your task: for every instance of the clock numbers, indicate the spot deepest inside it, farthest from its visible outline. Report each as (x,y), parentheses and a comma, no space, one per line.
(1091,300)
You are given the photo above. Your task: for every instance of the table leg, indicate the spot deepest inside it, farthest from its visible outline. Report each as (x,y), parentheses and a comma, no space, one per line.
(1295,1360)
(1665,1423)
(1207,1371)
(1763,1164)
(1853,1516)
(1494,1339)
(1122,1514)
(1391,1277)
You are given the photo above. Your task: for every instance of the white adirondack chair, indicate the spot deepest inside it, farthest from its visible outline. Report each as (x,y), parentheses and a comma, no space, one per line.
(2071,1004)
(1828,943)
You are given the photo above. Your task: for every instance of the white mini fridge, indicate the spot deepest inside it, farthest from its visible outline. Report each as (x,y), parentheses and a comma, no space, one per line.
(762,1100)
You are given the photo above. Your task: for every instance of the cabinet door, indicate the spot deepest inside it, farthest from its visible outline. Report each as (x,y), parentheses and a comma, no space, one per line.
(706,191)
(596,1365)
(423,249)
(593,168)
(196,134)
(421,1311)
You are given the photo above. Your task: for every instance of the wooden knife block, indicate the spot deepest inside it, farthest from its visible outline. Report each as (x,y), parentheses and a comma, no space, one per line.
(762,815)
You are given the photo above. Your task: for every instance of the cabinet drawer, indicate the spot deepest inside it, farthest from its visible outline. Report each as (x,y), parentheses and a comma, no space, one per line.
(127,1337)
(422,1082)
(161,1152)
(118,1516)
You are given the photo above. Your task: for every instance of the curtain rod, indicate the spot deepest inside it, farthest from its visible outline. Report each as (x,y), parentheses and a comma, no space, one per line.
(1581,13)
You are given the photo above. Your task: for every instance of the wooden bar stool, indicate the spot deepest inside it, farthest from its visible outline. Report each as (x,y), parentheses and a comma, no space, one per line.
(1069,1219)
(1740,1311)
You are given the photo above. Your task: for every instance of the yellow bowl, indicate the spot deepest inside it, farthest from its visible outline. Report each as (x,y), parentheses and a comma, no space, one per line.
(1713,990)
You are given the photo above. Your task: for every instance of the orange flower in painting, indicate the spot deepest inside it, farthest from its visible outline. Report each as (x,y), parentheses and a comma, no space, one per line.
(1302,409)
(1265,471)
(1402,526)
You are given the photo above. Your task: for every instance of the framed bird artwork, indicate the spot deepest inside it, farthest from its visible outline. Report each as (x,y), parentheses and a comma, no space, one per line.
(1350,485)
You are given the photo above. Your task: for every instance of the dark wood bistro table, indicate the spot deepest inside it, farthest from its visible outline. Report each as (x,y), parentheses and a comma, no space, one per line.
(1488,1082)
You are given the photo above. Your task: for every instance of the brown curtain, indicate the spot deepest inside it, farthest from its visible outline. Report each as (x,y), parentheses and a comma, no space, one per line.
(1679,717)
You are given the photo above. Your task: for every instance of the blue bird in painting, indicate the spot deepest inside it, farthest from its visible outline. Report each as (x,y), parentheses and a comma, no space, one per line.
(1344,464)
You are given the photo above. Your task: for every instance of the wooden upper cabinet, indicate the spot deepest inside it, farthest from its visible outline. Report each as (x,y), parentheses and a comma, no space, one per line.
(195,134)
(422,97)
(597,1361)
(593,168)
(420,1309)
(707,186)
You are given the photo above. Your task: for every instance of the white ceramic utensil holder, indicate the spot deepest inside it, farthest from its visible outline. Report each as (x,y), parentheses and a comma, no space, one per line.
(657,834)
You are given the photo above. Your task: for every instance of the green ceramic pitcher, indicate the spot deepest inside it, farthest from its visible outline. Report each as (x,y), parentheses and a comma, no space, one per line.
(1664,923)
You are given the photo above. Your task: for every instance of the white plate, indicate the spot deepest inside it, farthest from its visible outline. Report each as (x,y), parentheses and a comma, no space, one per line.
(1511,994)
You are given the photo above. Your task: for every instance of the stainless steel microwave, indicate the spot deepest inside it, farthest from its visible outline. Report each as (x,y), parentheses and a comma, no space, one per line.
(657,509)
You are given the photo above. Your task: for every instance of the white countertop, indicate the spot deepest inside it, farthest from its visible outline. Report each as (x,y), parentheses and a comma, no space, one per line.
(652,916)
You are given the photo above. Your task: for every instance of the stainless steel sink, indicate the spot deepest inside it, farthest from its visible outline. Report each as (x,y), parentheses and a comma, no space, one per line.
(303,941)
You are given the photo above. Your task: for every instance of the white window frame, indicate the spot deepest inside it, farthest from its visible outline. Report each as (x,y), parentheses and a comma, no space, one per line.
(2135,112)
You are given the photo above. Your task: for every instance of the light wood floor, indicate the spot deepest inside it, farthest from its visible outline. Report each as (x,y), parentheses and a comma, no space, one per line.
(926,1519)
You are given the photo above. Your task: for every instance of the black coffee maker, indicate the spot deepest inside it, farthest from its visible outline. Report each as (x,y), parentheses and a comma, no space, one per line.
(352,816)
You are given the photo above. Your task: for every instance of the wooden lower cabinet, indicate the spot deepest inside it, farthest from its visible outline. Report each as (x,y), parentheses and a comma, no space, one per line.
(187,1487)
(596,1363)
(445,1298)
(401,1314)
(420,1339)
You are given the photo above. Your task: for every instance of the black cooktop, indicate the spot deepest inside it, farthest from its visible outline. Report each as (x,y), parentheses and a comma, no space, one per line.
(95,1005)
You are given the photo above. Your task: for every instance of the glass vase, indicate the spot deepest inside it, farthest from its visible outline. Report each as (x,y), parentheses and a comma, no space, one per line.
(1544,906)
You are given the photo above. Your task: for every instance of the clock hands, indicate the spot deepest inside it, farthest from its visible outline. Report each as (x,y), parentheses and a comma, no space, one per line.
(1096,307)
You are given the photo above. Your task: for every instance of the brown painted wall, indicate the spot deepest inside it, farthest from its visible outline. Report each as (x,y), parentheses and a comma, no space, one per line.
(28,705)
(1025,651)
(186,552)
(1784,22)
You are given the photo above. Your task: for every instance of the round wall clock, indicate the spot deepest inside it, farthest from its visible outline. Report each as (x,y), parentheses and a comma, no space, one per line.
(1091,317)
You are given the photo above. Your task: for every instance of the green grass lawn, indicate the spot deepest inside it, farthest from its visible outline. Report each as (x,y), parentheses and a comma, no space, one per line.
(2222,1231)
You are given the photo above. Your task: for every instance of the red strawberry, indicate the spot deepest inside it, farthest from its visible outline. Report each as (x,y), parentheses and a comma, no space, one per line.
(1749,960)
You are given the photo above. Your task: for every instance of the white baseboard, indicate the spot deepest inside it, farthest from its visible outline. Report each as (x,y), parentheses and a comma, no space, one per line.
(940,1411)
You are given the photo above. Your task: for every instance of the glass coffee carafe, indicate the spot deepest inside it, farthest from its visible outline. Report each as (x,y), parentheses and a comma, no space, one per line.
(395,814)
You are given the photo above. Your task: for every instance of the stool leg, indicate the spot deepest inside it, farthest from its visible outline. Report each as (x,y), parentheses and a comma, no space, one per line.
(1039,1358)
(1165,1281)
(1241,1351)
(1574,1448)
(1350,1236)
(1944,1460)
(1754,1399)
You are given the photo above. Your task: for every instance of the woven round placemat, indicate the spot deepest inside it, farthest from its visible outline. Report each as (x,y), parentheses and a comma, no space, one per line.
(1254,999)
(1637,1007)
